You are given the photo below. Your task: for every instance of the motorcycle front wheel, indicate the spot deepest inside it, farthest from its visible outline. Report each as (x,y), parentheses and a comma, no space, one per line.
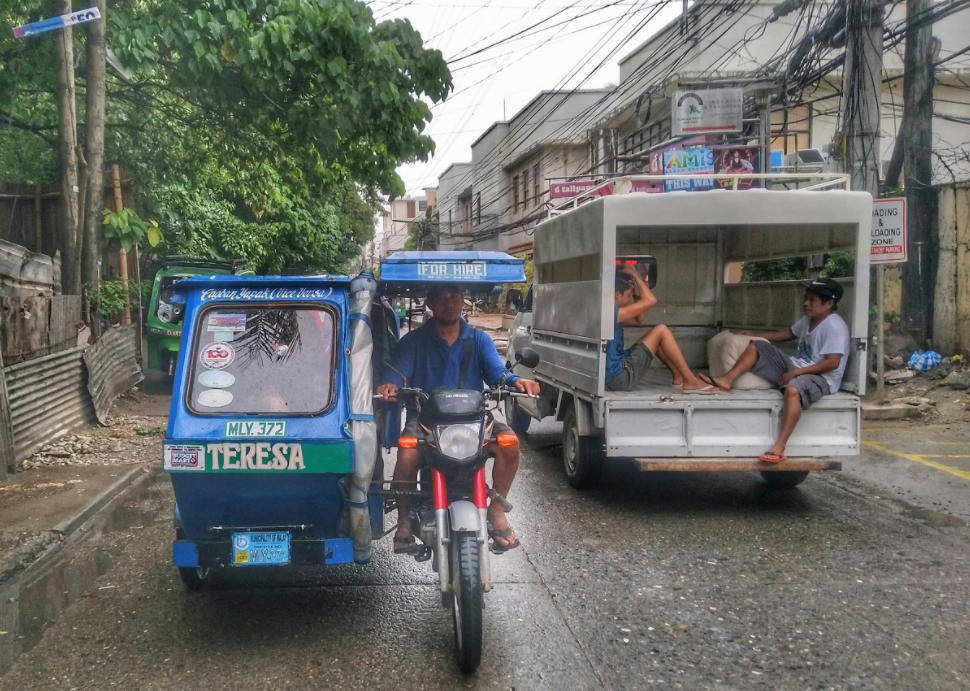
(467,601)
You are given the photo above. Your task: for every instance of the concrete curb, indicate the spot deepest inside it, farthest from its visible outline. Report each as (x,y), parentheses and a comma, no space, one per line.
(66,528)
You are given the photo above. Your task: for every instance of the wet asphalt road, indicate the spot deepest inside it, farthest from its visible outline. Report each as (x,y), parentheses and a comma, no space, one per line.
(652,581)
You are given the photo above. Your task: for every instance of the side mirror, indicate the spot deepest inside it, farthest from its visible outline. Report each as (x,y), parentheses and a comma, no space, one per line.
(527,357)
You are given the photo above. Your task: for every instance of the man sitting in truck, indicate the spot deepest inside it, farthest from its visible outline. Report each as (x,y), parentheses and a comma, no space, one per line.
(436,354)
(624,368)
(814,371)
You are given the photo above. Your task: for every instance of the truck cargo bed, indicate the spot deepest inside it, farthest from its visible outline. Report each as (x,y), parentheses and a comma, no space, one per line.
(657,420)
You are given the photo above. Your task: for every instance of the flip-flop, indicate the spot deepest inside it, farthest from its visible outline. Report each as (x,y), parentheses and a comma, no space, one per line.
(678,386)
(496,545)
(771,458)
(707,379)
(707,390)
(405,545)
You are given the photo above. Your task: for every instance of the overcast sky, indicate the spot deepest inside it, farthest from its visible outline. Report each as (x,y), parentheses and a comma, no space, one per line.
(576,44)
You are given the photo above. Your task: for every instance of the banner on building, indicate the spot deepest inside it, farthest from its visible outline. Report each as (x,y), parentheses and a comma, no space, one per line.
(719,111)
(697,161)
(731,160)
(568,190)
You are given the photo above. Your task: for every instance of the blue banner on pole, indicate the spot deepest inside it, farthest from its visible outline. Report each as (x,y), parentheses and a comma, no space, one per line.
(54,23)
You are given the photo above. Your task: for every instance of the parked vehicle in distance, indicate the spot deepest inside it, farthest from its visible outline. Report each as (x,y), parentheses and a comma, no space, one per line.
(167,306)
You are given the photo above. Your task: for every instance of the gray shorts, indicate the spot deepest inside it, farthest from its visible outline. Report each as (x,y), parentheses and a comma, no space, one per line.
(636,363)
(410,428)
(772,363)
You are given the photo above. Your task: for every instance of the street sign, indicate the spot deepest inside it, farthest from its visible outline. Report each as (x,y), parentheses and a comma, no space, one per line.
(888,242)
(707,110)
(54,23)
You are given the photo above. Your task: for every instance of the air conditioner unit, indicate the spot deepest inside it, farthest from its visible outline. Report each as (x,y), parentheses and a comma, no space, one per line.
(811,157)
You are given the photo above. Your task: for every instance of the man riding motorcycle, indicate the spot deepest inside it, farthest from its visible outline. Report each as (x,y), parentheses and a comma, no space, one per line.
(443,352)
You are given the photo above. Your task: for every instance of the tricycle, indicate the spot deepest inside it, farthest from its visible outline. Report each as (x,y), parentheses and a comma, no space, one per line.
(272,441)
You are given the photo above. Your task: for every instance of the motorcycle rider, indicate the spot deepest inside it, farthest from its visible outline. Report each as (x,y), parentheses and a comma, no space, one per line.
(431,356)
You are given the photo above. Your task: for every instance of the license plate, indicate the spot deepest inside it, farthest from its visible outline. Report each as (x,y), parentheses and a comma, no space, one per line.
(260,549)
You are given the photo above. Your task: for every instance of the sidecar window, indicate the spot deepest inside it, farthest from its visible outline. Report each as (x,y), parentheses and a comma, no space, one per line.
(263,360)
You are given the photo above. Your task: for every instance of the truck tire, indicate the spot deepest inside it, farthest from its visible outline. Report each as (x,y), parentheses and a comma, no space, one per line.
(784,479)
(517,419)
(195,577)
(582,457)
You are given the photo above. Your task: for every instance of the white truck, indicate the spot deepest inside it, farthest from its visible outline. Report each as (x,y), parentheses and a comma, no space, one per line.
(692,239)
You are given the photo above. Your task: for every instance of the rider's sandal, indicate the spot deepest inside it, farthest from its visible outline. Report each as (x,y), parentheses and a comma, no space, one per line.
(405,545)
(496,545)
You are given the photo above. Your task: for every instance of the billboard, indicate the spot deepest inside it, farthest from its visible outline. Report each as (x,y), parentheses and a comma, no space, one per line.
(699,160)
(567,190)
(737,159)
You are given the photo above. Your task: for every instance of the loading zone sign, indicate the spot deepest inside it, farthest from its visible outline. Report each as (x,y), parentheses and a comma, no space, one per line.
(888,242)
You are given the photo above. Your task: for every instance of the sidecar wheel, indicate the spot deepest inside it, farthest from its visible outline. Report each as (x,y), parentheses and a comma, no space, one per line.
(467,601)
(194,577)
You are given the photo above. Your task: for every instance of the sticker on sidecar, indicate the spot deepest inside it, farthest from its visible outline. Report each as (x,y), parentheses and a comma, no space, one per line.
(262,428)
(260,549)
(258,457)
(186,457)
(217,355)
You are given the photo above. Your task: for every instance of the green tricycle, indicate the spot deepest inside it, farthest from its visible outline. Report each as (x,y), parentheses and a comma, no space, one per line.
(167,306)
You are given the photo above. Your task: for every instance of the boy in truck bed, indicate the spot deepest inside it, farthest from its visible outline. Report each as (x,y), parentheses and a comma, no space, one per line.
(624,368)
(814,371)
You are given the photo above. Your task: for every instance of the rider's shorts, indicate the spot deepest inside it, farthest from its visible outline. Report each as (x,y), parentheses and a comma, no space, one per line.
(411,426)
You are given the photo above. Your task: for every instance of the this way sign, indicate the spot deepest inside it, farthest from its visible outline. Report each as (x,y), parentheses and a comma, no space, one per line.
(79,17)
(888,243)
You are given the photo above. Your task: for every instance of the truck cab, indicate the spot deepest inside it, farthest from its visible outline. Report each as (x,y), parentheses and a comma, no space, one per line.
(696,241)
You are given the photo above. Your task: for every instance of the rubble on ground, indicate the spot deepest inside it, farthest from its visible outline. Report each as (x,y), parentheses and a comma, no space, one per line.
(126,440)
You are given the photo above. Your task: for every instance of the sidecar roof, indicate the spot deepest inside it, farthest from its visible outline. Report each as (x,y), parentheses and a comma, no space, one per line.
(411,273)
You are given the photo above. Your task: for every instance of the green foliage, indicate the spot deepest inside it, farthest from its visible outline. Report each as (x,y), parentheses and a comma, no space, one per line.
(791,269)
(317,78)
(836,265)
(422,235)
(839,265)
(263,129)
(110,296)
(128,229)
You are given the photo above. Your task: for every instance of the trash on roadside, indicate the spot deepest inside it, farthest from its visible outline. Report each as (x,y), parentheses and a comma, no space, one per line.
(895,376)
(925,361)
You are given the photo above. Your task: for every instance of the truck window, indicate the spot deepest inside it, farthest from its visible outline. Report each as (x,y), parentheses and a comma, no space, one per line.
(262,360)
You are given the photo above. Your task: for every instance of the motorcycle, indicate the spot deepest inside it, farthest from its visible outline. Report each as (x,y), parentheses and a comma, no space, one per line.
(449,500)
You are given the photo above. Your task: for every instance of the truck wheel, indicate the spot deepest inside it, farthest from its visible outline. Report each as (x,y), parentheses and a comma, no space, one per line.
(518,419)
(784,479)
(581,456)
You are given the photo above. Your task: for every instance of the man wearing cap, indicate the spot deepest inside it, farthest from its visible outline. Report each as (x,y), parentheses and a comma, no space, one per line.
(434,355)
(814,371)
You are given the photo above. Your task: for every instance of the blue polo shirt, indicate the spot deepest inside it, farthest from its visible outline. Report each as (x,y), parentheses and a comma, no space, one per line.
(429,362)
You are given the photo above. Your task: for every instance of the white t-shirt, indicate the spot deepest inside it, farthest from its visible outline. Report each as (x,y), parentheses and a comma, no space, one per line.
(831,337)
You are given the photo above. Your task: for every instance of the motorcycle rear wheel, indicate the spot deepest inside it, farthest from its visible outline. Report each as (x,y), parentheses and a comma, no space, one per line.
(467,601)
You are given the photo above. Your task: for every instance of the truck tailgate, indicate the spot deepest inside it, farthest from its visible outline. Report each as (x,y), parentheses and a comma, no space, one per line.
(661,424)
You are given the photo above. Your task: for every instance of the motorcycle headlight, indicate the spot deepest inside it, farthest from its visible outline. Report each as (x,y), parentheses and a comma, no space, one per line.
(459,441)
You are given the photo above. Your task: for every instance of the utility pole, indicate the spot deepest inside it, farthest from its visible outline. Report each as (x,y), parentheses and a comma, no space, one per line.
(94,153)
(67,131)
(862,89)
(918,80)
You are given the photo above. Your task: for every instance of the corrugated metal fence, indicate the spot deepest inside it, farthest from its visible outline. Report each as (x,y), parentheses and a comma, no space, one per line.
(50,396)
(112,368)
